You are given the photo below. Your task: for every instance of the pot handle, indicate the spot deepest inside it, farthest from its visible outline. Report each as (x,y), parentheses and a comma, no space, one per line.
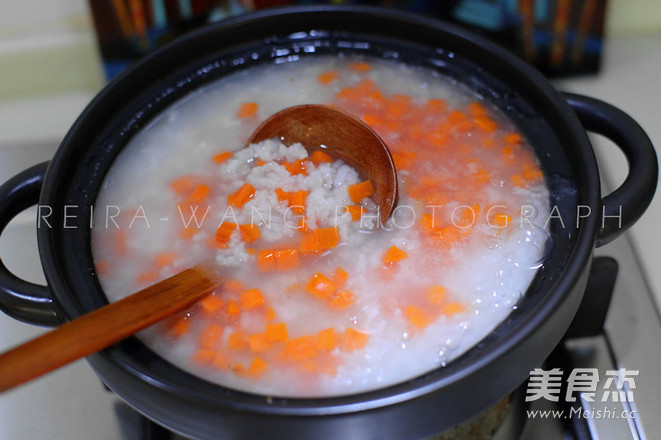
(631,199)
(20,299)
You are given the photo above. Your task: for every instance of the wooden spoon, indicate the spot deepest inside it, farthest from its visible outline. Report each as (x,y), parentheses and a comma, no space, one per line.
(343,136)
(105,326)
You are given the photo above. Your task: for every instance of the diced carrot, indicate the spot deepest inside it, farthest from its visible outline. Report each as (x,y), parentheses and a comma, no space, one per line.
(222,157)
(257,368)
(328,76)
(514,138)
(183,185)
(301,348)
(501,220)
(532,173)
(476,109)
(508,153)
(302,225)
(258,342)
(297,167)
(436,105)
(211,335)
(204,356)
(146,277)
(224,233)
(394,254)
(212,303)
(251,298)
(308,244)
(355,211)
(178,327)
(221,360)
(165,259)
(266,260)
(518,180)
(481,176)
(319,156)
(456,117)
(286,259)
(340,277)
(436,294)
(102,268)
(326,339)
(327,237)
(188,233)
(354,339)
(259,162)
(361,190)
(250,232)
(237,341)
(453,308)
(270,314)
(233,308)
(276,332)
(428,222)
(341,300)
(247,109)
(360,66)
(283,196)
(417,317)
(371,120)
(320,286)
(239,369)
(486,123)
(297,201)
(199,194)
(241,196)
(232,285)
(349,94)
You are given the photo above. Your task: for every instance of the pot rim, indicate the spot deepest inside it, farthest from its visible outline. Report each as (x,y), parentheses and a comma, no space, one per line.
(457,370)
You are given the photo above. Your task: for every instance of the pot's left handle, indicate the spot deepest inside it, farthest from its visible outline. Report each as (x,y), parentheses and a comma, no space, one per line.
(20,299)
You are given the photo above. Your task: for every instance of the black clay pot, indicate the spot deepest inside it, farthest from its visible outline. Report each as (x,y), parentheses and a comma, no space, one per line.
(556,125)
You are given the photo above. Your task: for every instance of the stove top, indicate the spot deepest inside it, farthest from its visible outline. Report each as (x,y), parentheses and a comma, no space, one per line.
(72,402)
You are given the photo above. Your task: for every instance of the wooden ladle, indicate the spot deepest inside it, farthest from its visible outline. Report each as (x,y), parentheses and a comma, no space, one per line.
(316,127)
(342,136)
(105,326)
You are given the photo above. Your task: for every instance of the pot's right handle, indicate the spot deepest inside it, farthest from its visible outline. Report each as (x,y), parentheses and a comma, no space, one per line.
(21,299)
(632,198)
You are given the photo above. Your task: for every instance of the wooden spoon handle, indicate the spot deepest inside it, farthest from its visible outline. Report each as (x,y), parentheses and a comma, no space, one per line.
(105,326)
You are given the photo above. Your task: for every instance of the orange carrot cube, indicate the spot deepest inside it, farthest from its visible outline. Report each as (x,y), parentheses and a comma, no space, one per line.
(242,196)
(320,286)
(361,190)
(222,157)
(354,339)
(183,185)
(297,167)
(328,76)
(233,308)
(355,211)
(199,194)
(251,298)
(247,109)
(204,356)
(237,341)
(212,303)
(286,259)
(257,368)
(276,332)
(327,237)
(327,339)
(266,260)
(340,277)
(188,233)
(453,308)
(270,314)
(417,317)
(250,232)
(301,348)
(297,201)
(393,255)
(258,342)
(224,233)
(436,294)
(232,285)
(165,259)
(319,156)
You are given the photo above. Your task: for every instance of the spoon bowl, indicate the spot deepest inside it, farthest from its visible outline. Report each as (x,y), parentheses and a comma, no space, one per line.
(342,136)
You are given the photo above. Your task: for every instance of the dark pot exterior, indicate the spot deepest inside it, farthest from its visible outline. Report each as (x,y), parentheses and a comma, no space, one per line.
(420,407)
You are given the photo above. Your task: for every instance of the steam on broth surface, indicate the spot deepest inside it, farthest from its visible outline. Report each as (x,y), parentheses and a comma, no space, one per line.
(318,301)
